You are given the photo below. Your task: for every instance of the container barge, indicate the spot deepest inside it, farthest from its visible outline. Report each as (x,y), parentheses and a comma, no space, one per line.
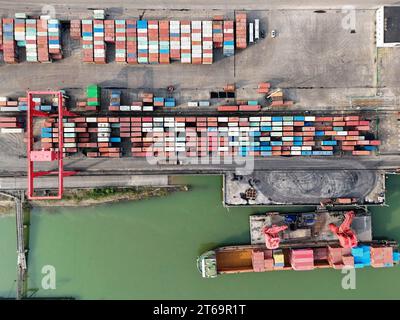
(135,41)
(305,245)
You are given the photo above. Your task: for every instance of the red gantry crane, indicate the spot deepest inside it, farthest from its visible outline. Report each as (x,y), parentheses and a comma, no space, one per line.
(46,155)
(346,236)
(272,239)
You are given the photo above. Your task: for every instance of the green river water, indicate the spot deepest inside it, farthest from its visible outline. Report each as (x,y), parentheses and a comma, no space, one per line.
(148,250)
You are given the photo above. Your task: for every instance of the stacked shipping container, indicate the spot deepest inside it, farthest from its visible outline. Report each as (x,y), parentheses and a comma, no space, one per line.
(188,41)
(175,39)
(142,30)
(218,36)
(19,32)
(207,42)
(131,39)
(241,30)
(153,41)
(164,41)
(120,41)
(109,30)
(217,136)
(229,48)
(87,40)
(42,40)
(75,29)
(30,39)
(99,44)
(185,42)
(196,42)
(9,46)
(54,35)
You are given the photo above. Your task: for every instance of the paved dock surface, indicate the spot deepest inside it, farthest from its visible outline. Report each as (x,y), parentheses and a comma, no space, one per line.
(93,181)
(305,187)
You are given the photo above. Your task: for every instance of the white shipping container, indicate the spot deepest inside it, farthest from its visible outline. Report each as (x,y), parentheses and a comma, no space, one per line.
(251,32)
(6,109)
(103,134)
(287,138)
(193,104)
(257,29)
(12,130)
(70,145)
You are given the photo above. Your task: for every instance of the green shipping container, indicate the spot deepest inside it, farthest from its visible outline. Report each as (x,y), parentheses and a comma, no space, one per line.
(93,91)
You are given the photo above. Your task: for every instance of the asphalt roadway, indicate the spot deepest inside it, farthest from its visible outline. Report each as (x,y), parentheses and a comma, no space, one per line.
(18,167)
(71,6)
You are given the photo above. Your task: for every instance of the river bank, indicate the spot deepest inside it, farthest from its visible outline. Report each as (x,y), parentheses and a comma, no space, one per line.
(97,196)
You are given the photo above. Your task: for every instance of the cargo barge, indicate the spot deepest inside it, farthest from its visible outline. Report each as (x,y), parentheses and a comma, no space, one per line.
(305,245)
(136,41)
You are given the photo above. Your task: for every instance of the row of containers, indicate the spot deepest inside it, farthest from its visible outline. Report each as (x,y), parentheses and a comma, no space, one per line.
(136,41)
(148,103)
(337,257)
(160,41)
(39,37)
(222,136)
(11,125)
(21,104)
(152,41)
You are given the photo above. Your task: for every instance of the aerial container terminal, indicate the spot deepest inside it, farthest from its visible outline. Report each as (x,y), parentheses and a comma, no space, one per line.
(112,128)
